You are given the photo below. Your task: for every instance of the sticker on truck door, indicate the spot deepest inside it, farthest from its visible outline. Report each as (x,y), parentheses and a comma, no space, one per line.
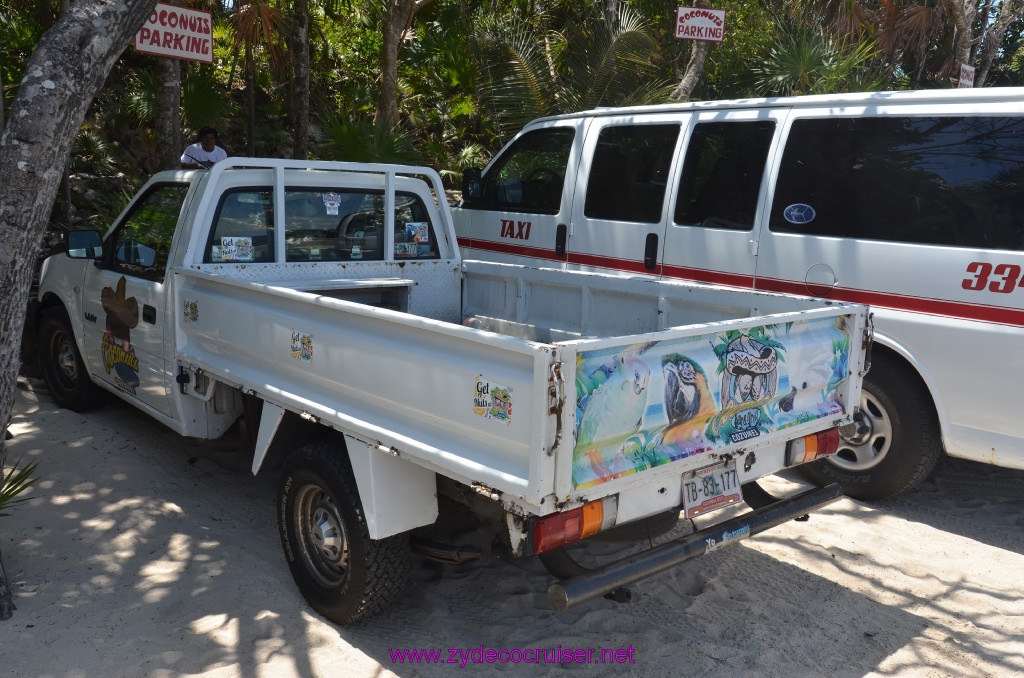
(645,405)
(116,344)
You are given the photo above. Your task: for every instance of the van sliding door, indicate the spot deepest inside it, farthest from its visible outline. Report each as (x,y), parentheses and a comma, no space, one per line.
(719,197)
(618,220)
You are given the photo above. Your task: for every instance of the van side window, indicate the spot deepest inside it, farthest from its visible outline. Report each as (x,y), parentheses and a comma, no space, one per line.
(955,181)
(722,174)
(243,227)
(629,172)
(528,176)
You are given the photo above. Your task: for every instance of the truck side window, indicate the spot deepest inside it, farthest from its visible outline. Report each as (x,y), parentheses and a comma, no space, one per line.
(629,172)
(528,176)
(929,180)
(722,174)
(142,241)
(243,227)
(414,234)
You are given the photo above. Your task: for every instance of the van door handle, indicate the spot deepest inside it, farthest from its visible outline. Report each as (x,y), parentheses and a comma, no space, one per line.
(148,314)
(561,233)
(651,252)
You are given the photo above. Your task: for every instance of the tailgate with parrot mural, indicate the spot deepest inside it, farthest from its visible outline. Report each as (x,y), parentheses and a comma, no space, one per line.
(650,403)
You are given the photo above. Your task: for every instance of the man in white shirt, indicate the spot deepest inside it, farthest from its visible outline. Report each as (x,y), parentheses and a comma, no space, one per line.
(205,152)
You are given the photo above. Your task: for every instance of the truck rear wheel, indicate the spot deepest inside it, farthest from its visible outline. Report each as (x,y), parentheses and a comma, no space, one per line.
(894,442)
(63,368)
(343,573)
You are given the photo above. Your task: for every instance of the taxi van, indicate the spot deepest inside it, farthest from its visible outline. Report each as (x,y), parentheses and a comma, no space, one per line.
(912,202)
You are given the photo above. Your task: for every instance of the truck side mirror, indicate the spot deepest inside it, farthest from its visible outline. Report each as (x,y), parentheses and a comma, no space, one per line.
(472,188)
(85,245)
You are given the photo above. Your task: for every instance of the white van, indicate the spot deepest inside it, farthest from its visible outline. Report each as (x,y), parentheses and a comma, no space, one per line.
(912,202)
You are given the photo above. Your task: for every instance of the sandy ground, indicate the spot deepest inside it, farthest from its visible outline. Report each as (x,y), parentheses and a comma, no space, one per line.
(145,554)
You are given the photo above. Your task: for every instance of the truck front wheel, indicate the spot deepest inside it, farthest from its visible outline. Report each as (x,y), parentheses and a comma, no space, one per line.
(343,573)
(63,368)
(894,442)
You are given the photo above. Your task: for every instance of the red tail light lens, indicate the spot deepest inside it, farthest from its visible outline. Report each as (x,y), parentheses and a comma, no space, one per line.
(813,446)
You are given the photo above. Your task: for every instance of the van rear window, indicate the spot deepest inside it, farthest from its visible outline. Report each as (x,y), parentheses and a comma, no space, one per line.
(956,181)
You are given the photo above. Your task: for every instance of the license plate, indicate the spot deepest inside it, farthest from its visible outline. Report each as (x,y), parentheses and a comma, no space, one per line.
(711,488)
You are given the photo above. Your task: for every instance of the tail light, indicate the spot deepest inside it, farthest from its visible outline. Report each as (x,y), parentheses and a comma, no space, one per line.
(812,447)
(559,529)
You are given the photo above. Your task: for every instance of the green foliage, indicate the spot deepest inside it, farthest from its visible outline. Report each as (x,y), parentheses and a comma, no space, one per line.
(361,141)
(810,62)
(532,71)
(91,154)
(14,483)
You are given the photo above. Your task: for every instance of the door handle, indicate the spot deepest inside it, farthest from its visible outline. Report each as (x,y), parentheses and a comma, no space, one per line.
(561,233)
(651,252)
(148,314)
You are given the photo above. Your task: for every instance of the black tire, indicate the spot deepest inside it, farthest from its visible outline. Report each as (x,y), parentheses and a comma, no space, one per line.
(343,573)
(894,443)
(63,369)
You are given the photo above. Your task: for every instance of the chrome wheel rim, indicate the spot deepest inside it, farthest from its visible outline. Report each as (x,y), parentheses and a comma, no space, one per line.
(865,442)
(66,362)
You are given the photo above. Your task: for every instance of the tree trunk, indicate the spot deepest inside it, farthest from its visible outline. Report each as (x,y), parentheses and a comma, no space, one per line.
(694,68)
(397,20)
(7,606)
(67,68)
(168,112)
(300,83)
(1009,13)
(250,104)
(962,18)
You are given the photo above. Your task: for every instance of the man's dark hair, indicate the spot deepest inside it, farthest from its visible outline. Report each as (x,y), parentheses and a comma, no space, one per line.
(208,130)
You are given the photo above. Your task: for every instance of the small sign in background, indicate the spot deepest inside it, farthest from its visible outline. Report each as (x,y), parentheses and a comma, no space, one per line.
(700,23)
(177,32)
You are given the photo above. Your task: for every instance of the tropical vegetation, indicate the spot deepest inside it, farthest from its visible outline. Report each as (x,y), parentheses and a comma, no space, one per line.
(446,82)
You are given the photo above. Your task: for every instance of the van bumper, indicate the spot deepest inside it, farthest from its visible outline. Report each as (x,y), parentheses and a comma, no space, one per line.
(612,576)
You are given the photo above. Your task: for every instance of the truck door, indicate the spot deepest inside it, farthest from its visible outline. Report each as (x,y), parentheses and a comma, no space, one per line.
(522,214)
(720,192)
(126,321)
(618,221)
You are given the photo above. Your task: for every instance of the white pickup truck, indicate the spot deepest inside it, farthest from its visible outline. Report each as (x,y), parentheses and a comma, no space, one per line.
(408,398)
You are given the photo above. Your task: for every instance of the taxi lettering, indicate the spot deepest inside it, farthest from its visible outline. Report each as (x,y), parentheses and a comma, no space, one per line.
(517,230)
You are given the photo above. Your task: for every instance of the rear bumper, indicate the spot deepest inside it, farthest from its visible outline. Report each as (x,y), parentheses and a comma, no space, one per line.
(574,590)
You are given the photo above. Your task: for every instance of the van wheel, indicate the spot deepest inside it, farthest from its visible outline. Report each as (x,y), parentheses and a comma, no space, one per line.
(343,573)
(63,368)
(893,443)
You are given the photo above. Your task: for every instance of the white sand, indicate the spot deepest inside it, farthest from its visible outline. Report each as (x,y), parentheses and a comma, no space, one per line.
(144,554)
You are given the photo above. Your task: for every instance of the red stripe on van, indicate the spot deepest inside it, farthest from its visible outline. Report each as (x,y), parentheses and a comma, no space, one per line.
(599,261)
(708,276)
(506,248)
(941,307)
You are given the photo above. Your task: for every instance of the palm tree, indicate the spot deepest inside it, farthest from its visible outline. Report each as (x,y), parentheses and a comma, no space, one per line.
(258,27)
(804,61)
(530,72)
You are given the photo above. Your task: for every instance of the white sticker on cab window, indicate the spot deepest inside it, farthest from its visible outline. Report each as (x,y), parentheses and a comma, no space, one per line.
(331,202)
(235,248)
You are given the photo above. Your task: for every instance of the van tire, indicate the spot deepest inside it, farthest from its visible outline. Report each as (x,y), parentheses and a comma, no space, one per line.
(343,573)
(895,443)
(63,369)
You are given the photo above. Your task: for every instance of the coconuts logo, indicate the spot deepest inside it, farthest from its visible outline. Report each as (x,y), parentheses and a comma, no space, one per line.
(116,346)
